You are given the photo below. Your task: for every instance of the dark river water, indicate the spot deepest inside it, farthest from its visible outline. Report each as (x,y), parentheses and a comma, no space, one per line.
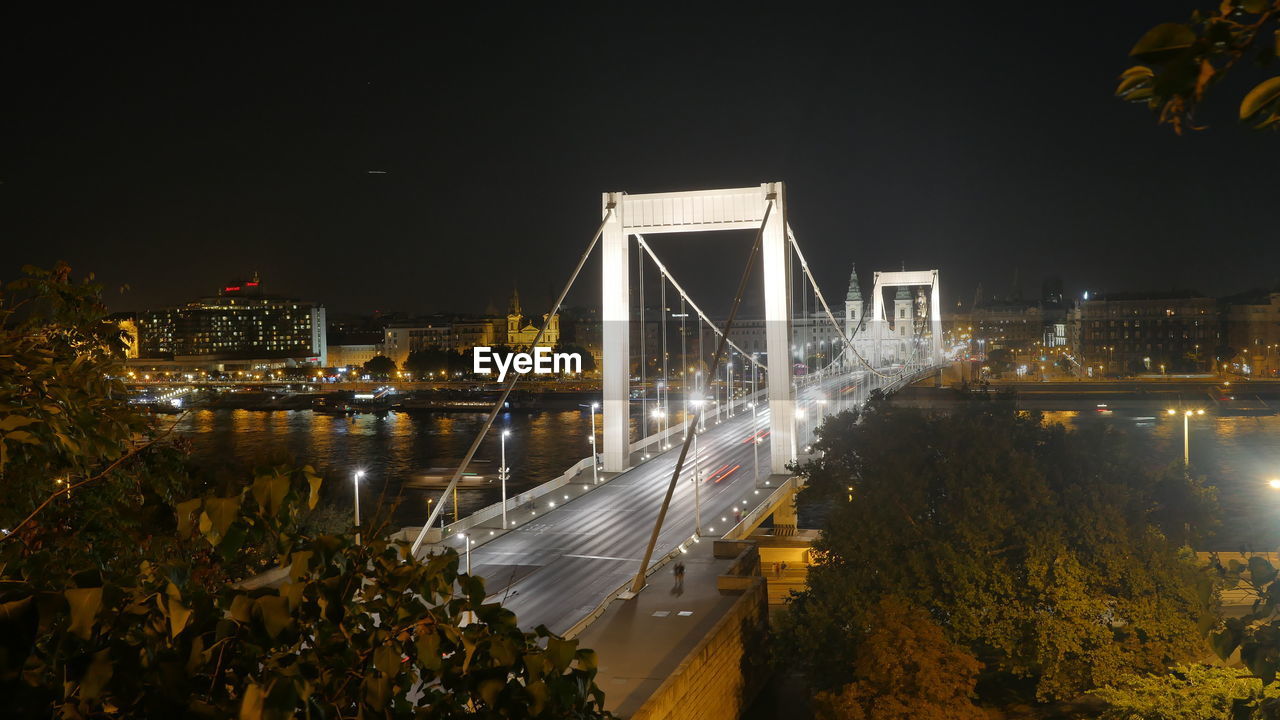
(1238,454)
(395,449)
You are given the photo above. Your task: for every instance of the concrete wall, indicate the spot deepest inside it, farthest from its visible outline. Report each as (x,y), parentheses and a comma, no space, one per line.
(714,682)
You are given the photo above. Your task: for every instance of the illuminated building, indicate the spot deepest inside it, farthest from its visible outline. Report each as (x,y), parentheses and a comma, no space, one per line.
(240,327)
(1127,333)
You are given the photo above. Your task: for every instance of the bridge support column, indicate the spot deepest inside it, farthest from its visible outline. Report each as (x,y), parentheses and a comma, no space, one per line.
(777,315)
(935,320)
(615,315)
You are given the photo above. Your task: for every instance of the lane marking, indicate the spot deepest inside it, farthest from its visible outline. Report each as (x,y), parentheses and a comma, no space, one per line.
(603,557)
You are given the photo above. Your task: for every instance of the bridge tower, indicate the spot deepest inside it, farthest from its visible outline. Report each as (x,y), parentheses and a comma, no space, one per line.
(903,305)
(695,211)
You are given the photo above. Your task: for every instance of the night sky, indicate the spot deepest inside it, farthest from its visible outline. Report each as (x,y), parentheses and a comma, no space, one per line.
(176,151)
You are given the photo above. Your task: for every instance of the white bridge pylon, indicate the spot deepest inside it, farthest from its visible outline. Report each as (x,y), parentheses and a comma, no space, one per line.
(879,318)
(695,211)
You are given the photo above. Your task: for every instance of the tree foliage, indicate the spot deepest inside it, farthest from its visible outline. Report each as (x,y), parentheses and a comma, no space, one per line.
(1182,61)
(906,670)
(1256,634)
(380,366)
(1190,692)
(131,595)
(1055,556)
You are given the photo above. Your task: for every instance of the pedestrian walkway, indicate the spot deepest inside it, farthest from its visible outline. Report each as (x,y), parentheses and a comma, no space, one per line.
(642,641)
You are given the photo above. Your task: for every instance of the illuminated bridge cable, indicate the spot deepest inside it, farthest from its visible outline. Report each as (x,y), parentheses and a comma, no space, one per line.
(663,268)
(511,383)
(830,318)
(715,367)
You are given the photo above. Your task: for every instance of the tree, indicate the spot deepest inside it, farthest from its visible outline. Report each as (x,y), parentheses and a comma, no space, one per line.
(126,583)
(1055,556)
(380,366)
(906,670)
(424,362)
(1188,692)
(1182,61)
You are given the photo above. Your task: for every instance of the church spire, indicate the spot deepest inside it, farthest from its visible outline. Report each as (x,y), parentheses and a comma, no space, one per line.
(513,306)
(855,291)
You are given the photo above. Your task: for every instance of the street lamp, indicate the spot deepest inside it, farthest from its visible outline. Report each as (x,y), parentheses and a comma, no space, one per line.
(595,462)
(503,473)
(1186,432)
(697,477)
(467,542)
(355,488)
(1274,483)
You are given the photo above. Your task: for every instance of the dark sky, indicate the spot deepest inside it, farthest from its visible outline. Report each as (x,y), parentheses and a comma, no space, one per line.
(176,151)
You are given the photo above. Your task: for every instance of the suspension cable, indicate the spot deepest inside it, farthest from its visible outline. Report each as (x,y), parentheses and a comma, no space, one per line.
(506,392)
(675,284)
(666,374)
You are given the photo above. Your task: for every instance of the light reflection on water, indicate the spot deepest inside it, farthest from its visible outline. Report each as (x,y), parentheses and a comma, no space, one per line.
(1238,454)
(391,449)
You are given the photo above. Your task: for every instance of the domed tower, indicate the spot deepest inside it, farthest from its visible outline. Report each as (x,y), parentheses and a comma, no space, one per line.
(853,312)
(902,311)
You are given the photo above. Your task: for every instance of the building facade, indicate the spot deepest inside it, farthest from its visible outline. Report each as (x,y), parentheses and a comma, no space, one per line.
(1126,333)
(1252,330)
(239,327)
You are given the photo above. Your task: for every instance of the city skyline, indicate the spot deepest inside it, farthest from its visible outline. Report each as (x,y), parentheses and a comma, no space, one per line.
(350,161)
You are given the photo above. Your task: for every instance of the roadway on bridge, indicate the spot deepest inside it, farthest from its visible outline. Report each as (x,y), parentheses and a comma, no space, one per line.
(558,569)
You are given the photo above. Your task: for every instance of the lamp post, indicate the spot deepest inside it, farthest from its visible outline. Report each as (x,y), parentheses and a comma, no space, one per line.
(729,388)
(503,473)
(595,462)
(1186,432)
(697,478)
(355,489)
(467,542)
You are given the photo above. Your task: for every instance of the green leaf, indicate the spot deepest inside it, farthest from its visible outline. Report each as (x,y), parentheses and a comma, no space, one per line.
(292,593)
(279,486)
(251,706)
(22,436)
(587,660)
(241,608)
(84,604)
(1164,39)
(489,690)
(179,615)
(186,515)
(560,652)
(377,692)
(1223,642)
(1260,570)
(300,564)
(428,645)
(97,676)
(1264,94)
(275,614)
(218,515)
(13,422)
(314,481)
(387,660)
